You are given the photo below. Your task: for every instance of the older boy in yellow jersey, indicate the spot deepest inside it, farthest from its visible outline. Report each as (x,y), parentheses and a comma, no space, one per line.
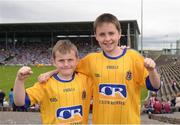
(118,74)
(65,97)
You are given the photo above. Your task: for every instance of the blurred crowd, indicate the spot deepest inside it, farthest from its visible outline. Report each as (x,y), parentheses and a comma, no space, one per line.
(8,102)
(36,53)
(155,105)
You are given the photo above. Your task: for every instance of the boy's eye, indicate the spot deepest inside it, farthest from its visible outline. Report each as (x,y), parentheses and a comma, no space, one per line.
(70,60)
(101,34)
(61,61)
(111,33)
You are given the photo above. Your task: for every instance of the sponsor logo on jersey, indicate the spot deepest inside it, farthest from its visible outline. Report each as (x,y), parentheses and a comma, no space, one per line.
(112,67)
(128,75)
(68,89)
(112,91)
(69,114)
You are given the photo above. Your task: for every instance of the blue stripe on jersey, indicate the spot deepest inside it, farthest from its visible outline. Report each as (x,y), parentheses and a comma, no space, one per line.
(59,79)
(27,101)
(110,57)
(149,85)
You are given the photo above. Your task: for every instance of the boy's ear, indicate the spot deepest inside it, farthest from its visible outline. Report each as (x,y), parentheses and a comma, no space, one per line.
(120,35)
(53,61)
(95,35)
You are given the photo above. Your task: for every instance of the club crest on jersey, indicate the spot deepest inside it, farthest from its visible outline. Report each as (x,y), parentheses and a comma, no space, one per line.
(112,91)
(69,114)
(83,95)
(97,75)
(129,75)
(53,99)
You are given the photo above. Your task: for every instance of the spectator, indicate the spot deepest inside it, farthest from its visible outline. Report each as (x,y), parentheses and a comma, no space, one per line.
(157,106)
(178,102)
(2,95)
(19,108)
(167,107)
(173,101)
(11,98)
(147,108)
(152,99)
(173,85)
(162,82)
(35,107)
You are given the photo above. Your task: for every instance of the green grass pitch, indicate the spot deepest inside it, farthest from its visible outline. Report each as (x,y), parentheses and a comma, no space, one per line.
(8,74)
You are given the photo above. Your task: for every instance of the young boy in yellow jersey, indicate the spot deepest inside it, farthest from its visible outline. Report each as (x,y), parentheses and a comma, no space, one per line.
(65,97)
(118,75)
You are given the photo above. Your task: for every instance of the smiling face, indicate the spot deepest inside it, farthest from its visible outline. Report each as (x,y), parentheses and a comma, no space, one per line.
(108,37)
(65,63)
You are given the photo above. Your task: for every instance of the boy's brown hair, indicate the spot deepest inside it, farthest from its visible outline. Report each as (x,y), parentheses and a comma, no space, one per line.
(107,18)
(63,47)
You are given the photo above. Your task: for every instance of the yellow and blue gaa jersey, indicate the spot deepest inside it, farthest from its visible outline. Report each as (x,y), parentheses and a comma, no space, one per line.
(117,82)
(62,102)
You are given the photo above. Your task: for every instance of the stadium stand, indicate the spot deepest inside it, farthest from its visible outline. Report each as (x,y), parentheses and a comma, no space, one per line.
(168,67)
(36,53)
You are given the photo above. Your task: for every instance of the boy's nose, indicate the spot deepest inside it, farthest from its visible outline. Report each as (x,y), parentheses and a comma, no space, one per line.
(66,63)
(107,38)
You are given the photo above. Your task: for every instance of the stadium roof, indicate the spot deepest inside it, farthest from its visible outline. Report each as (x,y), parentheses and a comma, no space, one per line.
(61,28)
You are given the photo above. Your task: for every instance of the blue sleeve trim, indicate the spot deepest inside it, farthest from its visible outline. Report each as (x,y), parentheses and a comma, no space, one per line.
(27,101)
(149,85)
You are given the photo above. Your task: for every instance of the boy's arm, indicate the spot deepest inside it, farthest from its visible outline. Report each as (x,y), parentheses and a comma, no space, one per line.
(153,74)
(45,76)
(19,89)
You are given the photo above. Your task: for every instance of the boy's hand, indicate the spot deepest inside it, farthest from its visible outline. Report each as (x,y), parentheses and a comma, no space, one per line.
(149,64)
(43,77)
(24,72)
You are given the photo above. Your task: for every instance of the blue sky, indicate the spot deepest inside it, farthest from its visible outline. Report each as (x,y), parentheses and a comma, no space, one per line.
(161,20)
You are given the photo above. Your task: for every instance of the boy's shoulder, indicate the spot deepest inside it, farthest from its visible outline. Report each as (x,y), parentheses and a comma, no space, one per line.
(43,84)
(95,53)
(92,55)
(80,75)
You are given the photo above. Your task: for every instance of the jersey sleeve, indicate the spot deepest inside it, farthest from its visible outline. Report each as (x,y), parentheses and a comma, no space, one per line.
(141,73)
(35,93)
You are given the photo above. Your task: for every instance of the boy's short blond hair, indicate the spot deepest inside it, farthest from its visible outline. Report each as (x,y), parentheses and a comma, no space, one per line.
(107,18)
(64,47)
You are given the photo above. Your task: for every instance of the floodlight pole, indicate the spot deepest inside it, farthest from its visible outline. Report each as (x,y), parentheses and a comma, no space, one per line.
(141,26)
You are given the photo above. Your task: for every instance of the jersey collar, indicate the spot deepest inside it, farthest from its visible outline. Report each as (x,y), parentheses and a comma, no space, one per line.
(116,57)
(61,80)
